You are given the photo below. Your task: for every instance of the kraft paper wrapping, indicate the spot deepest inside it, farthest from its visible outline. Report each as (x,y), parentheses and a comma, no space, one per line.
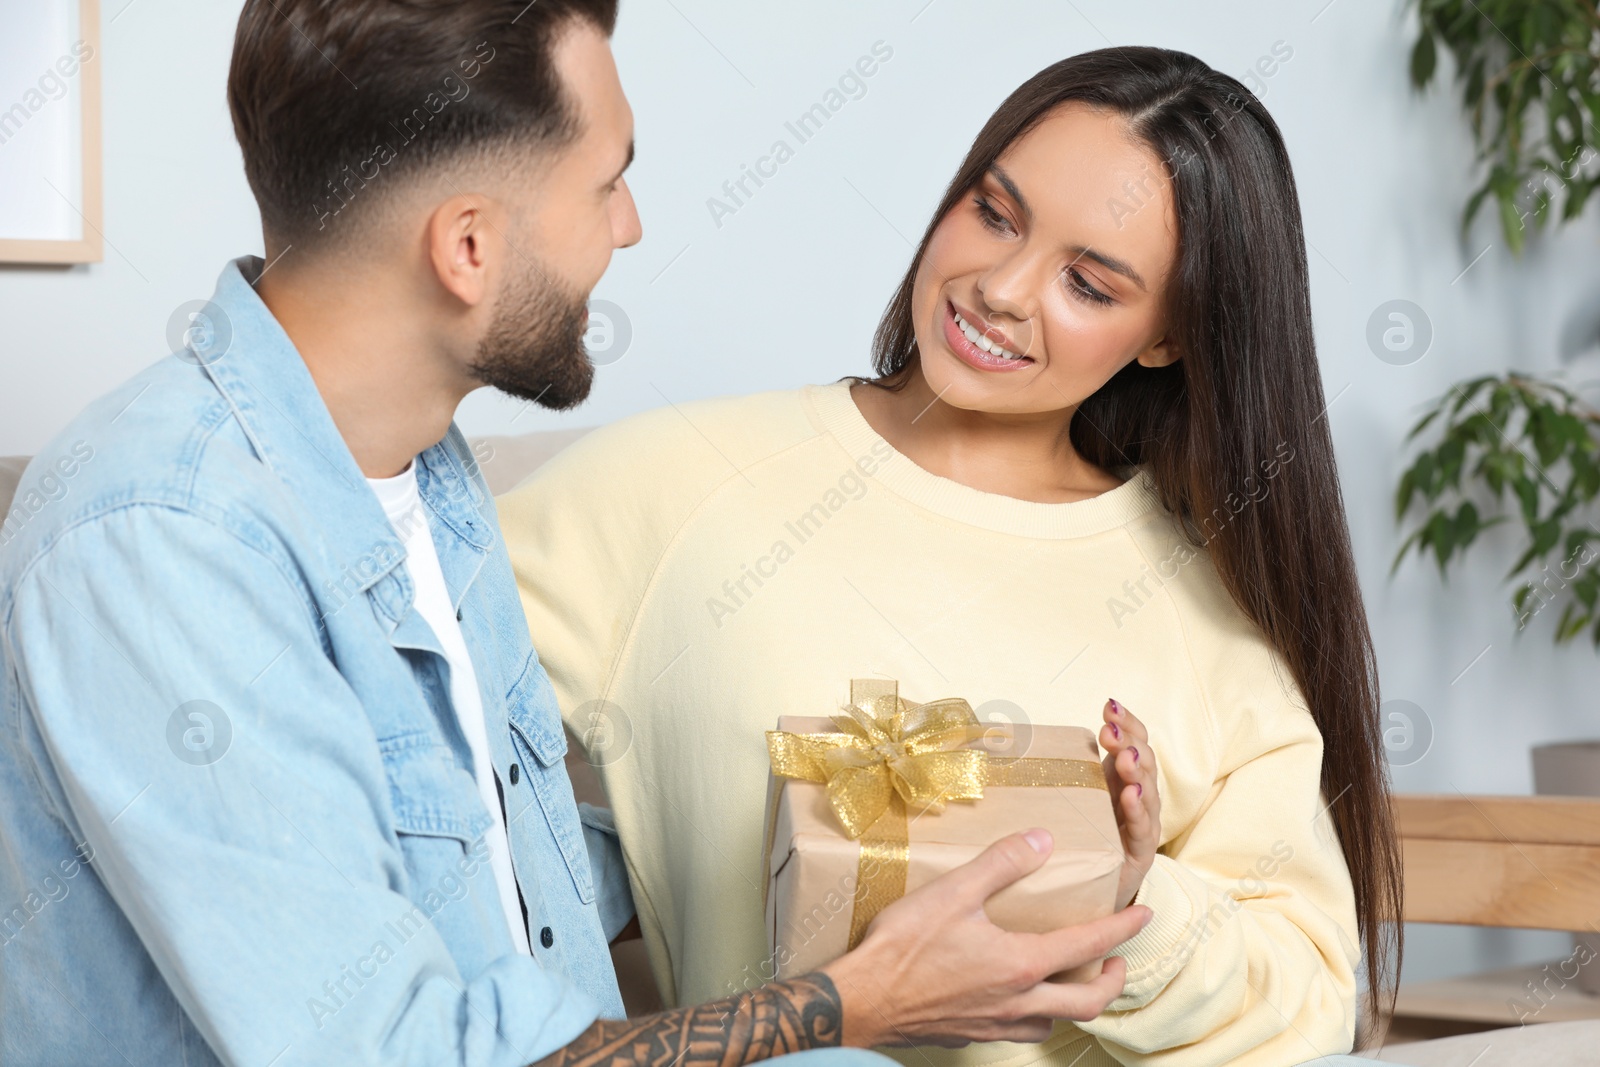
(812,865)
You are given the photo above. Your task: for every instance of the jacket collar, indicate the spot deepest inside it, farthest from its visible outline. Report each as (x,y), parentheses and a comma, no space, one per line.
(280,410)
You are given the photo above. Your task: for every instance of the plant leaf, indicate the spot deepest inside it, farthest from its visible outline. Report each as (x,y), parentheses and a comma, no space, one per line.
(1424,59)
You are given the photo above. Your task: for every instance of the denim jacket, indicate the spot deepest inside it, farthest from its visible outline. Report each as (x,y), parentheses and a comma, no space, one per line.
(238,821)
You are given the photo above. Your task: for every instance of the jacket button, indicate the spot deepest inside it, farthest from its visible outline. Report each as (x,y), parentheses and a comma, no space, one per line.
(547,937)
(515,774)
(458,615)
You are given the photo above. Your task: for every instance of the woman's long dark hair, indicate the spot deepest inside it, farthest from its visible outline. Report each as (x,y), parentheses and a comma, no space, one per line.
(1245,390)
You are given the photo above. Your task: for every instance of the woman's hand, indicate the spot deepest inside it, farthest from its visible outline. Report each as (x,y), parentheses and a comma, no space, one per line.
(1131,775)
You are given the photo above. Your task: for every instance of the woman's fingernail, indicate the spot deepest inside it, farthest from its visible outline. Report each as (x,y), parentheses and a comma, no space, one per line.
(1038,840)
(1140,787)
(1136,754)
(1115,733)
(1116,709)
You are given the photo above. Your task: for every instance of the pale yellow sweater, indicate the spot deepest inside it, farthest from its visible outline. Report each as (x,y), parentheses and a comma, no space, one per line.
(707,567)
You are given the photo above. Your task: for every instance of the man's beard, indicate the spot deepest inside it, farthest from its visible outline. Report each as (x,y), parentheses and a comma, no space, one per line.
(534,349)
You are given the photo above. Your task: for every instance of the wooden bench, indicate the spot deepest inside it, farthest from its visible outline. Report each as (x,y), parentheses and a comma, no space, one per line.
(1530,862)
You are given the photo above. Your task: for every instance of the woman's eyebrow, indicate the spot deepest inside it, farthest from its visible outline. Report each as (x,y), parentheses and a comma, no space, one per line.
(1111,263)
(1011,189)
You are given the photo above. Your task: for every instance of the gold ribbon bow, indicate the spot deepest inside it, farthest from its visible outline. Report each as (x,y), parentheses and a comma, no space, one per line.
(892,756)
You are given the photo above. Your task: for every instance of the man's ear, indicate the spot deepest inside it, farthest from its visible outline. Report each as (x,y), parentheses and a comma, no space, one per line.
(462,246)
(1161,354)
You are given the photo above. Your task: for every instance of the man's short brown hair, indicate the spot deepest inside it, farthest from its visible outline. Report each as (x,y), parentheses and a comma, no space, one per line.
(334,100)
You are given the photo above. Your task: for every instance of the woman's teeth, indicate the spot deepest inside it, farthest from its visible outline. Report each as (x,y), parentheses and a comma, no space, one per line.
(981,341)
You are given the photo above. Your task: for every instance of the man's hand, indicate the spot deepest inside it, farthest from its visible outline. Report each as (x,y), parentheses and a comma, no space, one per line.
(934,970)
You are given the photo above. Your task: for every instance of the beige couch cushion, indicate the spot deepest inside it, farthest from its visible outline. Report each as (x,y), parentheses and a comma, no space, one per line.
(507,460)
(10,475)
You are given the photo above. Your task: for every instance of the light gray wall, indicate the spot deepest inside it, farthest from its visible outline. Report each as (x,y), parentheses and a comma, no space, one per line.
(787,288)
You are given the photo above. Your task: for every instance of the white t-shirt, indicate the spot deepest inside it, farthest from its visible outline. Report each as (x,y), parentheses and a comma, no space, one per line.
(403,505)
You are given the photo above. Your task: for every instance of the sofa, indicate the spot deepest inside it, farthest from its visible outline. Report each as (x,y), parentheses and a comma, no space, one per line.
(506,460)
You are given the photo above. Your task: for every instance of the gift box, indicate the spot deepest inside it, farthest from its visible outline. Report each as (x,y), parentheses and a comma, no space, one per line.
(871,803)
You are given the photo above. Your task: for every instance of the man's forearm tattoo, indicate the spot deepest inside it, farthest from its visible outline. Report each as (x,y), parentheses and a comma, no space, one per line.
(778,1018)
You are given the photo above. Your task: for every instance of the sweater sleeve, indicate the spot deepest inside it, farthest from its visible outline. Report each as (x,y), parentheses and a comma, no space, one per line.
(1250,957)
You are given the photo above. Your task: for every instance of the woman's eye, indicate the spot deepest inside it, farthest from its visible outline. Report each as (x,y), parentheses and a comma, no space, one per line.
(989,216)
(1081,288)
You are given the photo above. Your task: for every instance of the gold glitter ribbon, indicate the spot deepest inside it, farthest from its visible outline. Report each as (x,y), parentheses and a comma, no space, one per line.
(890,757)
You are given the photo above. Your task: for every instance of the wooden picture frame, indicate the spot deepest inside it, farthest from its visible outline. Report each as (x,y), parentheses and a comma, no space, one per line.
(47,139)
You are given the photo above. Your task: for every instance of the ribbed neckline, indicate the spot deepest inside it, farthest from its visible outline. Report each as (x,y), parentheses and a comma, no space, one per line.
(837,412)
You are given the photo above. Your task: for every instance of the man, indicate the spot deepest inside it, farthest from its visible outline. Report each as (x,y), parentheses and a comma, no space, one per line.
(281,773)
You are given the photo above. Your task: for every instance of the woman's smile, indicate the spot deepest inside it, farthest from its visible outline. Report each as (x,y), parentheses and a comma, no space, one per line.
(978,343)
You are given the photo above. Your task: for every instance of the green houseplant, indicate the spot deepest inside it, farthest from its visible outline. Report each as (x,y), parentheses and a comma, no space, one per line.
(1529,72)
(1512,445)
(1515,447)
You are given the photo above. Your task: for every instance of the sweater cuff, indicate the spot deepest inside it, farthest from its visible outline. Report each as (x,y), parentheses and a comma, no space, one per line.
(1159,951)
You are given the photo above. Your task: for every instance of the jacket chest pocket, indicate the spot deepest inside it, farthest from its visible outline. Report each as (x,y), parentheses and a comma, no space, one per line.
(430,793)
(536,727)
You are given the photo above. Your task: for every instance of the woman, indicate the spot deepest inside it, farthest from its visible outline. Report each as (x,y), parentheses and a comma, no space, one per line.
(1093,461)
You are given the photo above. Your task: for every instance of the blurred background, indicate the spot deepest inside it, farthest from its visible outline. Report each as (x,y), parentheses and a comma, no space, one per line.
(781,283)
